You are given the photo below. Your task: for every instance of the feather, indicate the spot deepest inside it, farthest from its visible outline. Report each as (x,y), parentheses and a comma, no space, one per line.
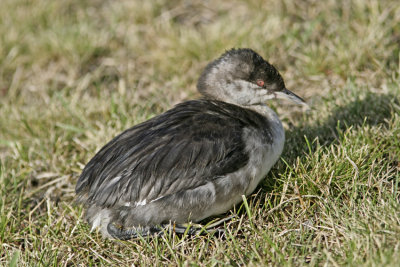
(195,142)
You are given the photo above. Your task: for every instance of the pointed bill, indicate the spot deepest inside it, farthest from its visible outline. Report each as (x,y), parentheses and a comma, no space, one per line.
(289,95)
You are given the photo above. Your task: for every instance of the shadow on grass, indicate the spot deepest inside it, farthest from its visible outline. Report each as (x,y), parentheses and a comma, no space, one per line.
(373,109)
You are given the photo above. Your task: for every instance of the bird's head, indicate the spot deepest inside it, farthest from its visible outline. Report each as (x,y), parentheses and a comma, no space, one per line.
(242,77)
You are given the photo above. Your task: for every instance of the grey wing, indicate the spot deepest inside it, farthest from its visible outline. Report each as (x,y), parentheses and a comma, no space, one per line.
(176,151)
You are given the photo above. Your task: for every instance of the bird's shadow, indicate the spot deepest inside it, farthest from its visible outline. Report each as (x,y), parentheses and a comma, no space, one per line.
(372,109)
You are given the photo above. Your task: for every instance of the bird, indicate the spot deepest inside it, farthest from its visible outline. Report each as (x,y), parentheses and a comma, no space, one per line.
(193,161)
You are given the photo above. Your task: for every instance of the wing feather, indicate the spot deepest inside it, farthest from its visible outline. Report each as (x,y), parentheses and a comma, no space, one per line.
(193,143)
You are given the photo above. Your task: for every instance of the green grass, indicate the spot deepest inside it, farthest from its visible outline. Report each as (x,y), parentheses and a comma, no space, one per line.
(73,74)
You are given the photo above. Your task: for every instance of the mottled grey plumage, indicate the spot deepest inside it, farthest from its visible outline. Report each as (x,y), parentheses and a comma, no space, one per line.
(193,161)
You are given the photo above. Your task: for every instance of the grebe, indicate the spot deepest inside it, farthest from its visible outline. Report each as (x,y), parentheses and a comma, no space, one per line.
(193,161)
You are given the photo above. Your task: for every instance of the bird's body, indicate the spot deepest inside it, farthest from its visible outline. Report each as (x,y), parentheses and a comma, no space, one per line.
(191,162)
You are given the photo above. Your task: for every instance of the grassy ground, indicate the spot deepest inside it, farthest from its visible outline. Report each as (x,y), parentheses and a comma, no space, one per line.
(73,74)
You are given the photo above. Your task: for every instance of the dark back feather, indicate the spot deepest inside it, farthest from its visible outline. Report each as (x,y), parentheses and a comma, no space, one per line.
(185,147)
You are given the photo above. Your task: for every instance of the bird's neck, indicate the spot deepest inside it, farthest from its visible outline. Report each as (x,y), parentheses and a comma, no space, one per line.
(265,111)
(273,120)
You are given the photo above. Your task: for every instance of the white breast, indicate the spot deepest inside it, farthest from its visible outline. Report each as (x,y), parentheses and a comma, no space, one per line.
(262,156)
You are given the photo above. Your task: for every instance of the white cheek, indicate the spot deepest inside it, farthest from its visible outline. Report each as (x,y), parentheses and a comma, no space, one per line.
(262,92)
(245,93)
(239,92)
(250,93)
(261,96)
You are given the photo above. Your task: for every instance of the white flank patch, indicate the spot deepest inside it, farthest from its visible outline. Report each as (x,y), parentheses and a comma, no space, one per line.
(141,203)
(156,199)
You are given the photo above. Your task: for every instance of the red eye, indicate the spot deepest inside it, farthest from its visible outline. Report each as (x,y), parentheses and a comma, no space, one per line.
(260,83)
